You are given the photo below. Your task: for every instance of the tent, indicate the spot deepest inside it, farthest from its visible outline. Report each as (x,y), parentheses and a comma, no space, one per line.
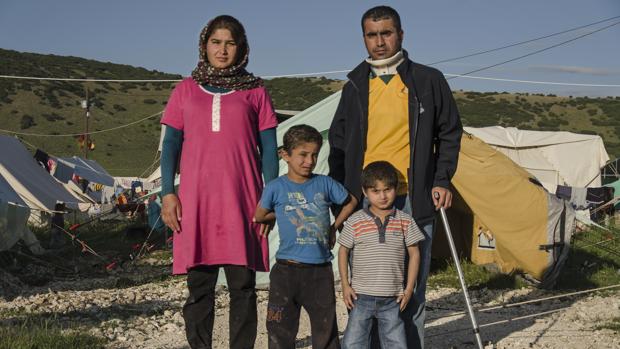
(502,217)
(13,218)
(89,170)
(24,186)
(30,181)
(616,186)
(554,158)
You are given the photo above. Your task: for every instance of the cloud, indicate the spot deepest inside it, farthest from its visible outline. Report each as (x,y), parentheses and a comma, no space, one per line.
(574,70)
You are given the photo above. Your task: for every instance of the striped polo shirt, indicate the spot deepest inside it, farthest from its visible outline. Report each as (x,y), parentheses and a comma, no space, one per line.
(378,251)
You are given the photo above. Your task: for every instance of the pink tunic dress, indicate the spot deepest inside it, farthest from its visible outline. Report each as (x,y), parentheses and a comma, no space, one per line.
(221,181)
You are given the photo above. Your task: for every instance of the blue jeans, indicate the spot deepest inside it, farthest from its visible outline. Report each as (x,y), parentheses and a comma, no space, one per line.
(387,313)
(414,314)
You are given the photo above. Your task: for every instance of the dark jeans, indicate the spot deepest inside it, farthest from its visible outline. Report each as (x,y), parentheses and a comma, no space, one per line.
(292,287)
(199,309)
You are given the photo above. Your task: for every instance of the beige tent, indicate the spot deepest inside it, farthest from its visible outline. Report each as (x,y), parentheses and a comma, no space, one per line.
(554,158)
(501,217)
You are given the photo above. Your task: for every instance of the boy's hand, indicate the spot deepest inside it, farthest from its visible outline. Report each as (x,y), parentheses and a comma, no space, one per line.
(332,236)
(404,299)
(348,295)
(265,228)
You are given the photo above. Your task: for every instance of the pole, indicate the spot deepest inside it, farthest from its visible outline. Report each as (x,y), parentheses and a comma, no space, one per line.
(86,132)
(455,256)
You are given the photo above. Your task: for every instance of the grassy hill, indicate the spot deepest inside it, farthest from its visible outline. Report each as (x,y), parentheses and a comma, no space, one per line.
(52,107)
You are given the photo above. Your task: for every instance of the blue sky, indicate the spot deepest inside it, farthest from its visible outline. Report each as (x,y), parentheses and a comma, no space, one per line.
(288,37)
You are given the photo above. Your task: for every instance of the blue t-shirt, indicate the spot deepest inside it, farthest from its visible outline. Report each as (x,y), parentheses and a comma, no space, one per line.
(302,213)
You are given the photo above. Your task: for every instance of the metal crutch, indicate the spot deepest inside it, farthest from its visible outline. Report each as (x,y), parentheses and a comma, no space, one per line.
(470,310)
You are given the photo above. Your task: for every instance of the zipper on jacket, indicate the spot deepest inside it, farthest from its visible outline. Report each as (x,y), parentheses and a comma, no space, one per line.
(416,122)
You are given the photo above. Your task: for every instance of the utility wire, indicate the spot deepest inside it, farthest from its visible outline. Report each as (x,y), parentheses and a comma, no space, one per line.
(531,81)
(79,134)
(346,71)
(537,51)
(537,300)
(521,42)
(433,63)
(452,76)
(85,80)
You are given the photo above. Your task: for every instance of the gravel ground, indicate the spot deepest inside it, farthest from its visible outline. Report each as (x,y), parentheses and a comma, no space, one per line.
(148,314)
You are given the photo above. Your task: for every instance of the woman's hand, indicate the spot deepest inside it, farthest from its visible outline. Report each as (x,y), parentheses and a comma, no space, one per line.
(171,212)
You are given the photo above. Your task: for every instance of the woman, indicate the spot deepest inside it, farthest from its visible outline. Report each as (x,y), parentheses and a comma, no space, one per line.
(215,122)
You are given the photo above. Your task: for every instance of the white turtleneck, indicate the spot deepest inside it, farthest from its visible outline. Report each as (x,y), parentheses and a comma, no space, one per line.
(386,66)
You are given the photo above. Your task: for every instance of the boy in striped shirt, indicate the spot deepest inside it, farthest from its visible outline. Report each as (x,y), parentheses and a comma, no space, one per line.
(374,243)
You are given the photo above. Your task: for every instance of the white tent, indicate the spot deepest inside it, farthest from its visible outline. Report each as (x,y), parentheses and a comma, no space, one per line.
(35,186)
(24,185)
(554,158)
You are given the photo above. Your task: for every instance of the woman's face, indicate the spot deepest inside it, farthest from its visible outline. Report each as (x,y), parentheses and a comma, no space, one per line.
(221,49)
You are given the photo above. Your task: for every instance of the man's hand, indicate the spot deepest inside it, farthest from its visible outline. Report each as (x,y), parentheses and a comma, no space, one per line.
(171,212)
(404,299)
(442,197)
(348,295)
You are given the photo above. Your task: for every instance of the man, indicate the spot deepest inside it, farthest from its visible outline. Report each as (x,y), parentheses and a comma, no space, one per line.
(395,110)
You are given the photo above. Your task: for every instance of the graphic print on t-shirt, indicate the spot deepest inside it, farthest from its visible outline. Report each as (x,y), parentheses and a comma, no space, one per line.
(307,218)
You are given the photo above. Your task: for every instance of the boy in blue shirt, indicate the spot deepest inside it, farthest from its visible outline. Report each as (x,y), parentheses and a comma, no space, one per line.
(302,276)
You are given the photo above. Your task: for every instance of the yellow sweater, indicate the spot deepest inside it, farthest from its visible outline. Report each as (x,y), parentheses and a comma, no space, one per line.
(388,126)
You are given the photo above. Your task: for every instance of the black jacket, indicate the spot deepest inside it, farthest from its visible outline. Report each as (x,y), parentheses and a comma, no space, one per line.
(434,136)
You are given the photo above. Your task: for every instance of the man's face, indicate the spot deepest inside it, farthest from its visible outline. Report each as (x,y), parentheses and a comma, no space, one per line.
(381,38)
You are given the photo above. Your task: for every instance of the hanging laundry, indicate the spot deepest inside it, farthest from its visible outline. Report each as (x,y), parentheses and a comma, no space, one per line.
(41,157)
(51,165)
(563,192)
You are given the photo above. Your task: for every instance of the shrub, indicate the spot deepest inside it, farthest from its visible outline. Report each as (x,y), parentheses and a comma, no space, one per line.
(26,122)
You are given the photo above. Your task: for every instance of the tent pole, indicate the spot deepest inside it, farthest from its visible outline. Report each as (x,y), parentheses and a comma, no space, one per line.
(470,310)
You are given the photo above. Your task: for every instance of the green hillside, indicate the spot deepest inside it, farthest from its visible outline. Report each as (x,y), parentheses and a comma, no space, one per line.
(52,107)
